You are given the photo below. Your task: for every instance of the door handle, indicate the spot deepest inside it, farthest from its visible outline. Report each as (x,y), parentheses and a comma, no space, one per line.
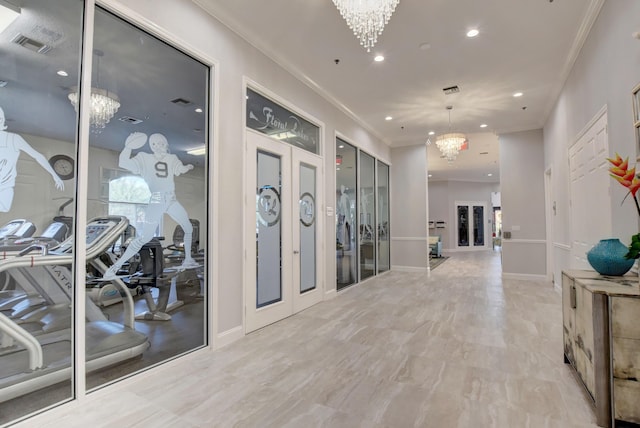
(296,252)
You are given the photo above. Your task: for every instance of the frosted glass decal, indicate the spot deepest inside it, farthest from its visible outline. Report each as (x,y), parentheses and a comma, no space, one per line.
(11,145)
(307,228)
(158,170)
(268,230)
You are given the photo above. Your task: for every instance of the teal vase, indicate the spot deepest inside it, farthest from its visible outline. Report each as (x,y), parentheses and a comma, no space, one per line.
(607,257)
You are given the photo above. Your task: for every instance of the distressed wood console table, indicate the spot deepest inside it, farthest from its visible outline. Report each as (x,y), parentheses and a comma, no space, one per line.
(601,329)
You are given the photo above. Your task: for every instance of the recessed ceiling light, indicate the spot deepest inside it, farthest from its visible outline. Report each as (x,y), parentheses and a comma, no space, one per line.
(484,125)
(62,73)
(489,175)
(430,175)
(198,110)
(378,58)
(472,33)
(425,46)
(341,146)
(388,118)
(518,94)
(338,169)
(432,133)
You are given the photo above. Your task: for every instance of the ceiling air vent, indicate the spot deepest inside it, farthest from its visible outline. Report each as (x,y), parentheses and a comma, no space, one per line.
(181,102)
(129,119)
(451,90)
(31,44)
(3,83)
(484,153)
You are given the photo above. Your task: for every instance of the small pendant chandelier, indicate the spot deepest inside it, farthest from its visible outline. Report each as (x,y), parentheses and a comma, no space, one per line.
(451,142)
(366,18)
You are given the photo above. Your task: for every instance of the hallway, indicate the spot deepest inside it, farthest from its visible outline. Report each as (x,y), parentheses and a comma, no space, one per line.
(458,348)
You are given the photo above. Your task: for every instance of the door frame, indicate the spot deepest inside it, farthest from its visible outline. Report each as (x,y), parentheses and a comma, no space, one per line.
(470,204)
(292,301)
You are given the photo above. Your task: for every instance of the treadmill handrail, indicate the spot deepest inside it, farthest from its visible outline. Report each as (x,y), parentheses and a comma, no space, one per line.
(98,247)
(26,339)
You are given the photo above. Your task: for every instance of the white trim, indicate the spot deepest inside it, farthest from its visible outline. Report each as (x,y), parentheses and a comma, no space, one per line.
(523,276)
(409,269)
(330,294)
(409,238)
(78,342)
(562,246)
(229,336)
(589,125)
(524,241)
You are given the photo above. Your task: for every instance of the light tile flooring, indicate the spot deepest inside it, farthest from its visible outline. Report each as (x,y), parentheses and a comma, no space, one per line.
(460,347)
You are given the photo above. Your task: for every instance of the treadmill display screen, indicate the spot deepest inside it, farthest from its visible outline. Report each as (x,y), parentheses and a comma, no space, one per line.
(93,232)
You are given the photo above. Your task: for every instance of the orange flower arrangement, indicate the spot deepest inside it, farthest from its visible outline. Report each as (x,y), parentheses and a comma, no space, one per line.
(626,176)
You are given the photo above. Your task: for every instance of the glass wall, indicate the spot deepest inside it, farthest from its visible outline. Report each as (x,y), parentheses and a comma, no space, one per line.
(148,112)
(367,226)
(146,202)
(384,255)
(346,215)
(37,162)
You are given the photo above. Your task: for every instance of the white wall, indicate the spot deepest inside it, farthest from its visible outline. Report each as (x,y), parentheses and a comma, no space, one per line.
(605,72)
(190,27)
(522,197)
(409,249)
(442,198)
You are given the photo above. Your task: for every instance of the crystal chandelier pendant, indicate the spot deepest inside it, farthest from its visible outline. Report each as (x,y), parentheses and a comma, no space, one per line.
(104,105)
(450,143)
(366,18)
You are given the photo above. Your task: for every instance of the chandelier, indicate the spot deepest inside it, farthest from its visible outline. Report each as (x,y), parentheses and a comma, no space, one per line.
(103,104)
(450,143)
(366,18)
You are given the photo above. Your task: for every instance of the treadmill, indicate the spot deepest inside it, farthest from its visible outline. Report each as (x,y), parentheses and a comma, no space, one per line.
(28,362)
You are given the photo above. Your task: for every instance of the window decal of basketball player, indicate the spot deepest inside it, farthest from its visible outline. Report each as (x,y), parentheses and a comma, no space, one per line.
(10,147)
(157,169)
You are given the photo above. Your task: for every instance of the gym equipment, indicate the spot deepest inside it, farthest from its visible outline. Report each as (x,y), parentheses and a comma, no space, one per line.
(23,355)
(16,229)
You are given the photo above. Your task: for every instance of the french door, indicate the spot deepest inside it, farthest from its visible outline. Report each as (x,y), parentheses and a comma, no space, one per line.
(471,218)
(283,246)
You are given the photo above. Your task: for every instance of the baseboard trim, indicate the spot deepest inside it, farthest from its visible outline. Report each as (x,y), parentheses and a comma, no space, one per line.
(331,294)
(524,276)
(409,269)
(228,337)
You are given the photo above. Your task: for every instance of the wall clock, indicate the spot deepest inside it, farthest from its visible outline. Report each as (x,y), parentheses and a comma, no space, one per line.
(63,165)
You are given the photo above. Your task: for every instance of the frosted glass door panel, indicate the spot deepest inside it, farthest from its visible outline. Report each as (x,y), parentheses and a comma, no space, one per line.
(268,230)
(307,205)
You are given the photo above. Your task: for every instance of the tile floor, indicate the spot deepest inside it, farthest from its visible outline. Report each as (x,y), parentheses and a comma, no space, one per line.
(460,347)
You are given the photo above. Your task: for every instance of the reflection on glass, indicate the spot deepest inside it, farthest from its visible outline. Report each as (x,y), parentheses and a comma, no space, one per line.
(147,199)
(463,226)
(384,256)
(478,226)
(367,216)
(269,230)
(307,206)
(346,203)
(37,145)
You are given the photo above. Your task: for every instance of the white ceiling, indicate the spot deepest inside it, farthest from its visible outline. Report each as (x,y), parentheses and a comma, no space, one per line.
(524,46)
